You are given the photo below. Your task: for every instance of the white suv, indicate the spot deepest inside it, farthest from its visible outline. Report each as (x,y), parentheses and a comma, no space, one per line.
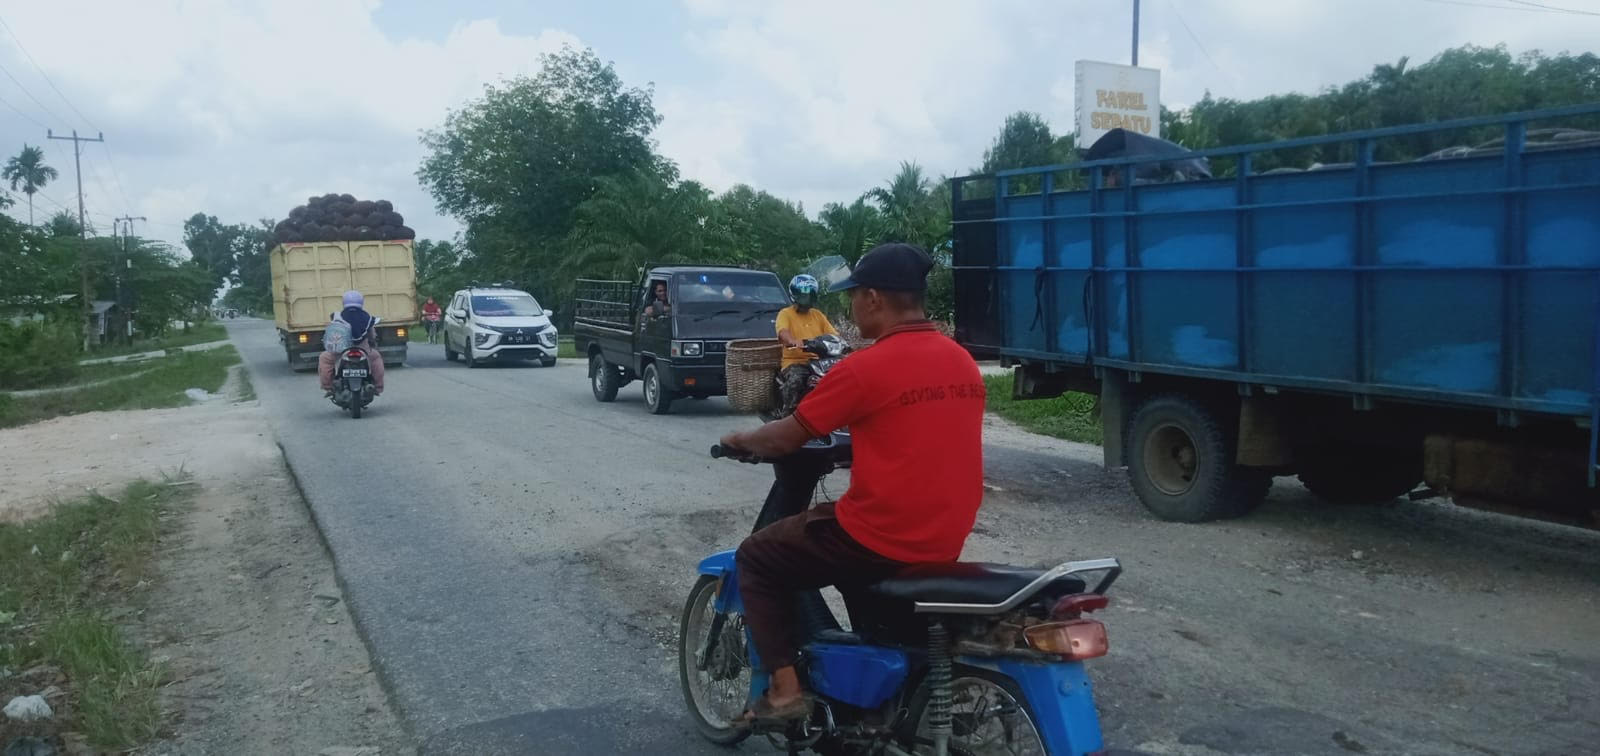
(487,324)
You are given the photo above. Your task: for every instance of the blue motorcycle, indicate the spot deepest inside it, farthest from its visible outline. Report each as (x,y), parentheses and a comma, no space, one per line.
(958,658)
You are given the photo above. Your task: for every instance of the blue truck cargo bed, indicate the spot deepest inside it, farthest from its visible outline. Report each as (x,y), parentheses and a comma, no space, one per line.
(1468,281)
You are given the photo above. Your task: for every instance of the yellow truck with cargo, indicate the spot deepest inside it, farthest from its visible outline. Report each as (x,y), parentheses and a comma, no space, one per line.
(309,280)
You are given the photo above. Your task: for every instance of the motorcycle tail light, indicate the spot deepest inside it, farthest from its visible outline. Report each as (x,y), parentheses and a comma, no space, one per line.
(1077,605)
(1073,640)
(354,354)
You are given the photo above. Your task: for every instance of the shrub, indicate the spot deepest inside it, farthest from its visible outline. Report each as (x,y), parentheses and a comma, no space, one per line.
(37,353)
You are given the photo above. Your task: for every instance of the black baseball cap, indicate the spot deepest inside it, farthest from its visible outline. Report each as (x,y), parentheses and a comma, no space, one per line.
(891,267)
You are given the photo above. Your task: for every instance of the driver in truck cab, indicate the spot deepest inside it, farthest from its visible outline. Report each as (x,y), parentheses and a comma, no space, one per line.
(914,405)
(659,307)
(797,324)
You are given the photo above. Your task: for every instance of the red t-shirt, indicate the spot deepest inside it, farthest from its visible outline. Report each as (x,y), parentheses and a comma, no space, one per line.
(914,404)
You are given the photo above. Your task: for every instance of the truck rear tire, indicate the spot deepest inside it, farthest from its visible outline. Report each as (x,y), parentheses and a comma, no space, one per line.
(1181,462)
(657,398)
(602,378)
(1356,475)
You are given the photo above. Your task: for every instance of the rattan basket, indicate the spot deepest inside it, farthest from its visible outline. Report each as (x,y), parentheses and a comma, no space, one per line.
(751,370)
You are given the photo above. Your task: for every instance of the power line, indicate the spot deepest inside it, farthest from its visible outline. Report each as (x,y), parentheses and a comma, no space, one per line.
(35,121)
(1197,43)
(51,200)
(1467,4)
(42,106)
(1573,11)
(44,75)
(116,175)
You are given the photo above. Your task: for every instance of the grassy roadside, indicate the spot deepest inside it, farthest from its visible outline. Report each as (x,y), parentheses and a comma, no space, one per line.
(565,349)
(1072,416)
(199,333)
(162,386)
(62,574)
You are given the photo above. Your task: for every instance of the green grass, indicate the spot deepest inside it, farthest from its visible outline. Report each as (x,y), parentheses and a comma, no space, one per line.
(197,334)
(62,572)
(163,386)
(565,349)
(1072,416)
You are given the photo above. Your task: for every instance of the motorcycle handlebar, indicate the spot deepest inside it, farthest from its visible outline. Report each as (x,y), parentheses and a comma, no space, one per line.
(718,451)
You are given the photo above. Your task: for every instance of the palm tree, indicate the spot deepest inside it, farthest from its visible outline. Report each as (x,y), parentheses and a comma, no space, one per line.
(910,208)
(28,171)
(853,228)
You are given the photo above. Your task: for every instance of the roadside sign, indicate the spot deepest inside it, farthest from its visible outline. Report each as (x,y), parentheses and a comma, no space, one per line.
(1112,96)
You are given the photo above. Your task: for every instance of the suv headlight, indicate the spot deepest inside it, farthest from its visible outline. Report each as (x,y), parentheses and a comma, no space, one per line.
(479,338)
(688,348)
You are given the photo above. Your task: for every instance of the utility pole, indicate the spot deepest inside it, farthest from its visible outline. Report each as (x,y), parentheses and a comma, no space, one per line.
(83,232)
(1136,32)
(123,299)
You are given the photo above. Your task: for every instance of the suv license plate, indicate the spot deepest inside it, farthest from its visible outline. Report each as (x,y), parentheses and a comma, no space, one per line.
(355,373)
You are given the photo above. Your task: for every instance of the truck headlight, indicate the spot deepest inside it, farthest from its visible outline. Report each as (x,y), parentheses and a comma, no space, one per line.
(688,348)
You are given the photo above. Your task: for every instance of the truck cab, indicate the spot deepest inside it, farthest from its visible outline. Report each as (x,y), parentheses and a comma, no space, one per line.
(676,348)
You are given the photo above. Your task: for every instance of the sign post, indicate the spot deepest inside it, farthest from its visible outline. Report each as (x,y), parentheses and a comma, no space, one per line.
(1112,96)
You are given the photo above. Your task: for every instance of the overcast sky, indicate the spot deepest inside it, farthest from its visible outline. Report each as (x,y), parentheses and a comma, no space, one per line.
(242,109)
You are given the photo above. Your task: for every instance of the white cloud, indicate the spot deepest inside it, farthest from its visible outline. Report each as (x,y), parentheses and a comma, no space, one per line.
(243,110)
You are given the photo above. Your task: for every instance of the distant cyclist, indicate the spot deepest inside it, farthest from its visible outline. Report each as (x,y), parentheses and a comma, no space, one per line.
(430,318)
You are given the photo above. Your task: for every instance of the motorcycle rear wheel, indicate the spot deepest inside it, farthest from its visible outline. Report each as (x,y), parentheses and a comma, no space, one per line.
(716,697)
(991,716)
(355,408)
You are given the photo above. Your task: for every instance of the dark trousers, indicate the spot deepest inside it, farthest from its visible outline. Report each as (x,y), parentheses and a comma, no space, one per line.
(791,384)
(806,551)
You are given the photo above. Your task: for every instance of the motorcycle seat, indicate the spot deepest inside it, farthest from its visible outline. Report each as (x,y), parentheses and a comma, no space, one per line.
(967,583)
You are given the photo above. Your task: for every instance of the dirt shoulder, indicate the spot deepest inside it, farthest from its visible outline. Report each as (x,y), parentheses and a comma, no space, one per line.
(244,616)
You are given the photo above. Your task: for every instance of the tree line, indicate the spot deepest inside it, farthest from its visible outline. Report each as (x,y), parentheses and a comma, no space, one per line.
(556,175)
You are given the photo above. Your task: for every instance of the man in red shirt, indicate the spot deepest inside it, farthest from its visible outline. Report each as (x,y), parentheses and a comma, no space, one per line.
(430,318)
(914,404)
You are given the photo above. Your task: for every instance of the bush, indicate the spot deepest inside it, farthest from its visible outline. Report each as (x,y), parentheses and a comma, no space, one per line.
(34,354)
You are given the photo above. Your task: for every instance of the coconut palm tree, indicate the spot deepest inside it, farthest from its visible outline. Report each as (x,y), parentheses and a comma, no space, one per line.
(910,207)
(28,171)
(852,228)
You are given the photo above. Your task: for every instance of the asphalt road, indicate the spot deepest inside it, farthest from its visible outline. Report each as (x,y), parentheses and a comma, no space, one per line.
(516,555)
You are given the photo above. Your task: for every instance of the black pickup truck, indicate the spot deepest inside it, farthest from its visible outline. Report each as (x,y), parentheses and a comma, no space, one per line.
(677,350)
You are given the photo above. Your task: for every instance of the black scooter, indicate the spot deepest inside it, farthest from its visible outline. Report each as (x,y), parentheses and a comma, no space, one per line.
(829,350)
(353,387)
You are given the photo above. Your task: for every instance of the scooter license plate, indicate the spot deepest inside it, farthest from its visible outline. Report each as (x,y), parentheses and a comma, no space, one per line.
(355,373)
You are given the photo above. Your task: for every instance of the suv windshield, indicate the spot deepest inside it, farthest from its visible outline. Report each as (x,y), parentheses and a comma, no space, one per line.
(505,305)
(735,288)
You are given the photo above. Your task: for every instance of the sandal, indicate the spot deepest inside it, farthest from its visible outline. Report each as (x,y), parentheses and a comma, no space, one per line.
(762,715)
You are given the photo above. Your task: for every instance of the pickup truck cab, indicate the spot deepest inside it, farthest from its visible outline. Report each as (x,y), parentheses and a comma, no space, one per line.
(676,350)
